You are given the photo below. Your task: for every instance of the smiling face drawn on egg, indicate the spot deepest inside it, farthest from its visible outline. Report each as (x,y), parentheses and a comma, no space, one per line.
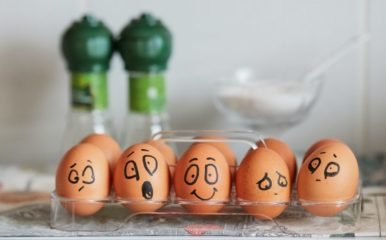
(265,183)
(131,171)
(87,176)
(208,173)
(202,175)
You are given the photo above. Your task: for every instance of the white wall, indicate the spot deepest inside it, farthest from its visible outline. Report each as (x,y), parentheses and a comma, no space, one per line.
(211,38)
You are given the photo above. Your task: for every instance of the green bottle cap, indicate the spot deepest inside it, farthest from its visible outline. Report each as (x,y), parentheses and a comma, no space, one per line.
(145,45)
(87,45)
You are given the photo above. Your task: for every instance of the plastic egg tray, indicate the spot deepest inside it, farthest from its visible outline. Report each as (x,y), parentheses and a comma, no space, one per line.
(173,220)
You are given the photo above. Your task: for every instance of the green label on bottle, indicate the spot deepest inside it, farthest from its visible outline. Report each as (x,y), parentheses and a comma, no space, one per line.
(147,93)
(89,91)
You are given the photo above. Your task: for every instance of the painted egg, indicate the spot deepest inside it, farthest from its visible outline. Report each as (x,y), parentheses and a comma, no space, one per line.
(330,174)
(108,145)
(285,152)
(141,178)
(203,179)
(263,184)
(319,144)
(225,149)
(83,173)
(168,153)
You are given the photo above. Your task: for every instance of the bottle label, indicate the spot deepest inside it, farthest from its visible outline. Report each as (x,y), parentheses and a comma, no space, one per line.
(147,93)
(89,91)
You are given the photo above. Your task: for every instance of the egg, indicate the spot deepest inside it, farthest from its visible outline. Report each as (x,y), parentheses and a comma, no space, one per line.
(329,174)
(202,180)
(108,145)
(83,173)
(285,152)
(263,184)
(225,149)
(319,144)
(168,153)
(141,177)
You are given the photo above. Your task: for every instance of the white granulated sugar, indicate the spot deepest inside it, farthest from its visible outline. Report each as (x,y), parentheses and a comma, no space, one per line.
(265,99)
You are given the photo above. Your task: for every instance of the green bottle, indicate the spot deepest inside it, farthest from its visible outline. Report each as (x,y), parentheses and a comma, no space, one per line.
(87,46)
(145,46)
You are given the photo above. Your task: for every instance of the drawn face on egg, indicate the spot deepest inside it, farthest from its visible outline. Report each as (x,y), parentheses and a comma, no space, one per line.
(203,175)
(272,182)
(81,176)
(263,177)
(206,170)
(141,177)
(140,167)
(328,175)
(329,169)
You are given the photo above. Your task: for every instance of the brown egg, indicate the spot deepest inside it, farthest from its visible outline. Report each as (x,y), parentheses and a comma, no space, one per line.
(319,144)
(328,175)
(225,149)
(168,153)
(203,178)
(83,173)
(141,177)
(263,184)
(285,152)
(108,145)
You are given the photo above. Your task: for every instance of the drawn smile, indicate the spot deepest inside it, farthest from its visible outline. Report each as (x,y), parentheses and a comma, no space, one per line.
(204,199)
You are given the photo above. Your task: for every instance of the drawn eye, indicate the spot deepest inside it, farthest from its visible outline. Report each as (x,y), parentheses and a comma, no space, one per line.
(73,176)
(314,164)
(131,170)
(331,170)
(191,174)
(265,183)
(282,180)
(150,163)
(88,175)
(211,175)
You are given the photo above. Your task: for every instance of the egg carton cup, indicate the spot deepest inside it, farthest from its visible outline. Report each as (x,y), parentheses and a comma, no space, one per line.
(172,219)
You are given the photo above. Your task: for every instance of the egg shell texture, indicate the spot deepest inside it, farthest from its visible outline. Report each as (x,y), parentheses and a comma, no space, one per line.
(83,173)
(285,152)
(328,175)
(108,145)
(141,177)
(203,177)
(263,183)
(168,153)
(319,144)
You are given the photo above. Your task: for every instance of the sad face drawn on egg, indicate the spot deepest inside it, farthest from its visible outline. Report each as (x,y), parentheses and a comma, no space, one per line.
(330,174)
(330,170)
(265,183)
(150,164)
(87,177)
(210,176)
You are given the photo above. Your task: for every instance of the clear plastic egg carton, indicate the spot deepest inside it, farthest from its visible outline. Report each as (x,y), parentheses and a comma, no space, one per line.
(172,219)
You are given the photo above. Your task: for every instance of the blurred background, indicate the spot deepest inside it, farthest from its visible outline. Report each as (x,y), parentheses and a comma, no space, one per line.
(211,39)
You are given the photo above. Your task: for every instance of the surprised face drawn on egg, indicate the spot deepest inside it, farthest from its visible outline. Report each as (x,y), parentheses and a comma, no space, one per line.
(210,176)
(141,177)
(265,183)
(150,165)
(86,178)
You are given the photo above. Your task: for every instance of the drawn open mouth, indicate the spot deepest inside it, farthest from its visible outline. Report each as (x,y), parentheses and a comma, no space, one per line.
(318,180)
(204,199)
(147,190)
